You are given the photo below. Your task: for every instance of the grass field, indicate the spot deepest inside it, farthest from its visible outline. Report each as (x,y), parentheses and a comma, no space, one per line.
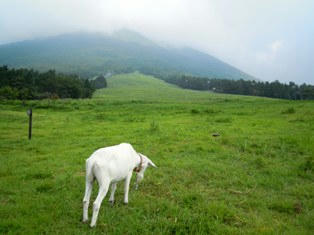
(255,178)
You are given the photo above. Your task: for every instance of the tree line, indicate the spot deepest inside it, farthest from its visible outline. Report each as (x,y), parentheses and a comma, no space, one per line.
(242,87)
(26,84)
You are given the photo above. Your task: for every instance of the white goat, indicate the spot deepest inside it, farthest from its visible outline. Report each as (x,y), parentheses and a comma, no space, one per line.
(110,165)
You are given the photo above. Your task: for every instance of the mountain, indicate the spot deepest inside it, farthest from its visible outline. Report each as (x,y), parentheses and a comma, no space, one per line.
(89,54)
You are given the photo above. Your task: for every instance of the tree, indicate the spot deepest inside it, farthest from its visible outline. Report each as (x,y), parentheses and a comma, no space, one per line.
(100,82)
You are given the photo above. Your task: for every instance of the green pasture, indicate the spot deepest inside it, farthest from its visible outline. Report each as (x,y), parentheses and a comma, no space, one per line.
(255,178)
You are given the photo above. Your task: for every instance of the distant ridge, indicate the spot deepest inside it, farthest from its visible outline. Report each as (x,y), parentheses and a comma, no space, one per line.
(89,54)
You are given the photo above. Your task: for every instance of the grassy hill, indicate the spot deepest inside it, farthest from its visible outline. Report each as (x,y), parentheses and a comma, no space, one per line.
(256,177)
(89,54)
(138,87)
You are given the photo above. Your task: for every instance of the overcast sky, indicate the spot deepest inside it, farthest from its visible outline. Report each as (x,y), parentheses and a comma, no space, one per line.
(269,39)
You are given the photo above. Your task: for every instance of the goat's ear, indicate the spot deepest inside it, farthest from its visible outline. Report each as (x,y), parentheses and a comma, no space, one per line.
(152,164)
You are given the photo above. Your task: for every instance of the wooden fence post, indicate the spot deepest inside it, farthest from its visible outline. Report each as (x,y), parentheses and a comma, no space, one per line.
(30,114)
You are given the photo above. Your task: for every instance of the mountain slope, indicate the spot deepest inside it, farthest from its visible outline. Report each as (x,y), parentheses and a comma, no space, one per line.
(124,51)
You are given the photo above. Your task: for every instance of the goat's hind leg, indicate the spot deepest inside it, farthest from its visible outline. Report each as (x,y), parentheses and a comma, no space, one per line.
(88,192)
(103,189)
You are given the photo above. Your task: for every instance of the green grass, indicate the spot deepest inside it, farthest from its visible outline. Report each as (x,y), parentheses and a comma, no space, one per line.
(256,177)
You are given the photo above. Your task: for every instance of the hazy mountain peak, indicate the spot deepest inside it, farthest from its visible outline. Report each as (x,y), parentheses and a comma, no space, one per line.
(89,54)
(131,36)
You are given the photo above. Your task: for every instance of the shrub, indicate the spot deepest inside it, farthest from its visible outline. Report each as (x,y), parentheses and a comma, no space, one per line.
(44,188)
(8,93)
(288,111)
(308,165)
(223,120)
(195,111)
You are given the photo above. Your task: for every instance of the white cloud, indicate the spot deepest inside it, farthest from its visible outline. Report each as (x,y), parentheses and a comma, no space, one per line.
(276,45)
(271,53)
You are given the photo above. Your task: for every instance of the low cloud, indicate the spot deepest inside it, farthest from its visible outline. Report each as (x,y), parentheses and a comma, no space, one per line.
(246,34)
(270,54)
(276,45)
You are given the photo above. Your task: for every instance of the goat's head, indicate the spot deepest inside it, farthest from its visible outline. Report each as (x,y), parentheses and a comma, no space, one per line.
(146,162)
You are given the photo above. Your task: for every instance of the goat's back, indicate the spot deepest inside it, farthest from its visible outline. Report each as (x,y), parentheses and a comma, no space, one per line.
(114,161)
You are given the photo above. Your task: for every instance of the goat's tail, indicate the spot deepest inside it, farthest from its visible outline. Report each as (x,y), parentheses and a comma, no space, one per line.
(89,172)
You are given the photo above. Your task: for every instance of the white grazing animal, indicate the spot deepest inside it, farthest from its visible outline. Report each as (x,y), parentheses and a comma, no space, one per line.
(110,165)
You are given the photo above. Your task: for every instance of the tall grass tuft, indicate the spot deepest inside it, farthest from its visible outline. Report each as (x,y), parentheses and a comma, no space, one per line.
(154,127)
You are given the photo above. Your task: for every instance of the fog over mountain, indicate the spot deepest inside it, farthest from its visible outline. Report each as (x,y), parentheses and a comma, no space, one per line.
(91,54)
(267,39)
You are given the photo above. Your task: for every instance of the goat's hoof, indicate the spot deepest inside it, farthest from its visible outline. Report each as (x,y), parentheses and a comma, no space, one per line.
(92,225)
(125,203)
(111,203)
(84,221)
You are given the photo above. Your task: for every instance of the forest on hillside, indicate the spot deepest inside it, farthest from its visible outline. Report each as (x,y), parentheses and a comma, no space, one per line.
(274,89)
(27,84)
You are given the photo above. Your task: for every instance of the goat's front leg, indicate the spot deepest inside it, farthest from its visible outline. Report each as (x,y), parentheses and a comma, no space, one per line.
(113,190)
(126,188)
